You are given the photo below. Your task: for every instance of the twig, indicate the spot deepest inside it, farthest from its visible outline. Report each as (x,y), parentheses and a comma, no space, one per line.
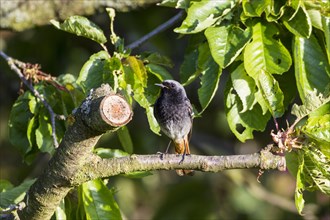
(154,32)
(12,65)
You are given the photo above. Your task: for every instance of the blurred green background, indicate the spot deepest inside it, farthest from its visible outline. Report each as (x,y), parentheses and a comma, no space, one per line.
(233,194)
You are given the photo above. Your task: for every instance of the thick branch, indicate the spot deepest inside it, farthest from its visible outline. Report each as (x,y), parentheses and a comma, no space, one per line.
(75,150)
(22,14)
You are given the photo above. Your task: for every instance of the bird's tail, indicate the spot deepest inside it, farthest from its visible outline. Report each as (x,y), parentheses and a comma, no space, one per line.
(182,148)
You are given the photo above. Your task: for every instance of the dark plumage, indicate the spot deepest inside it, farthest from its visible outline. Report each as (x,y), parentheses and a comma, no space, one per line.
(173,112)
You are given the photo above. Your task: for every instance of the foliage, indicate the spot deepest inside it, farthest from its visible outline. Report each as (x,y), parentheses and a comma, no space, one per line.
(261,44)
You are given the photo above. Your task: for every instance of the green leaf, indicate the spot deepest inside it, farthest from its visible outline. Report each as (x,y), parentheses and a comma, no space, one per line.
(60,211)
(244,86)
(18,123)
(242,124)
(312,69)
(189,68)
(81,26)
(204,14)
(318,128)
(5,185)
(298,22)
(226,43)
(158,59)
(15,195)
(313,102)
(44,133)
(125,139)
(326,28)
(256,7)
(272,93)
(299,199)
(160,72)
(91,74)
(98,201)
(210,77)
(182,4)
(136,78)
(265,53)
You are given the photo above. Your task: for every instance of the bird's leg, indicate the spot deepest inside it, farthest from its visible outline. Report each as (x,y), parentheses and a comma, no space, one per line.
(162,154)
(184,152)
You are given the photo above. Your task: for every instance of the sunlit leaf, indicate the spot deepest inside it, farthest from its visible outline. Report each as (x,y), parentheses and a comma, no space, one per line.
(265,53)
(242,124)
(226,43)
(203,14)
(244,86)
(312,69)
(318,128)
(81,26)
(125,139)
(91,74)
(298,22)
(43,134)
(98,201)
(15,195)
(210,77)
(272,93)
(160,72)
(255,8)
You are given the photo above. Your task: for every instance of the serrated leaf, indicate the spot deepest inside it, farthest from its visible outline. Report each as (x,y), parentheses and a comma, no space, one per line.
(316,170)
(15,195)
(272,93)
(98,201)
(244,86)
(226,43)
(91,74)
(81,26)
(125,139)
(298,22)
(313,101)
(242,124)
(318,128)
(210,78)
(204,14)
(312,69)
(265,53)
(256,7)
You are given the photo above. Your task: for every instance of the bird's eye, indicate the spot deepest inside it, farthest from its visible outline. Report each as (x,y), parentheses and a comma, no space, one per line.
(172,85)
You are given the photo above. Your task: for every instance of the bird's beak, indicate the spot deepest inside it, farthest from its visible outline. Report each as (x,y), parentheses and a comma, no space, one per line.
(160,85)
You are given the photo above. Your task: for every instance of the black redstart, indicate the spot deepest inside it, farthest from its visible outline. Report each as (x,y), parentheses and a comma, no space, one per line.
(173,112)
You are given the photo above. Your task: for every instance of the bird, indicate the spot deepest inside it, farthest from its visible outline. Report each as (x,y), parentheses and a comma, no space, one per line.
(174,114)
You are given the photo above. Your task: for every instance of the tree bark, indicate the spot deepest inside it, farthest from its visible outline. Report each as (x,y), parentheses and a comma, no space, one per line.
(74,151)
(20,15)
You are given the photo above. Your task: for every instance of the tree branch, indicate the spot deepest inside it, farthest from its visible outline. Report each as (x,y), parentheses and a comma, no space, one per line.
(20,15)
(29,85)
(156,31)
(98,167)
